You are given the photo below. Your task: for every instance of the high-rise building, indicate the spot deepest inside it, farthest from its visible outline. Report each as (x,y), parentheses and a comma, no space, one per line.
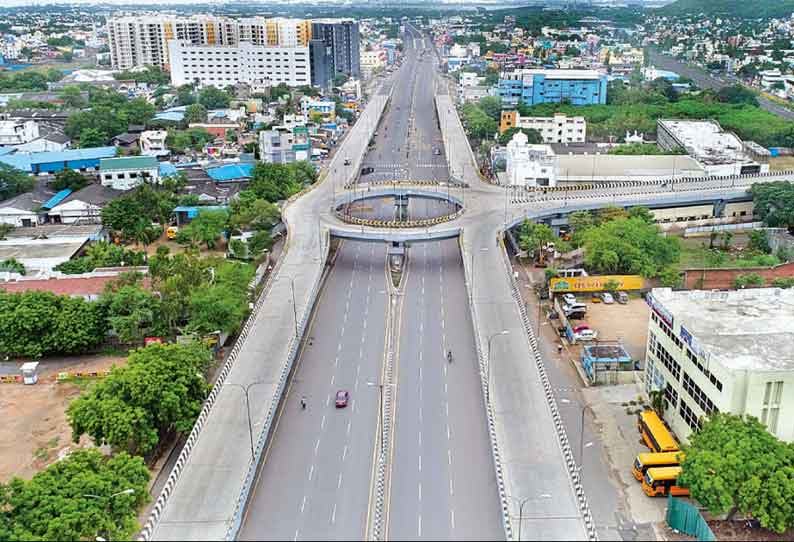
(322,64)
(137,41)
(223,65)
(342,36)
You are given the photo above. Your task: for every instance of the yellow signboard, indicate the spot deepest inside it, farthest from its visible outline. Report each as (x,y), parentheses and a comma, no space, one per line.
(596,283)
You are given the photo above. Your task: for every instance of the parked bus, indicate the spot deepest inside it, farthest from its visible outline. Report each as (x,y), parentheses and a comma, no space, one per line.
(661,481)
(650,460)
(654,432)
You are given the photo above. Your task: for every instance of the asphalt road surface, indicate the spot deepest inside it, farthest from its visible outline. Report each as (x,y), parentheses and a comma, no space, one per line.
(703,79)
(315,480)
(443,484)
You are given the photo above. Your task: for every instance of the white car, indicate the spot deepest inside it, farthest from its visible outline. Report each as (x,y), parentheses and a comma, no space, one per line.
(586,335)
(568,299)
(607,298)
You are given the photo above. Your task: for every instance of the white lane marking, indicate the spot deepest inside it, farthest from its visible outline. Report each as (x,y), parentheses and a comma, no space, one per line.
(445,384)
(303,504)
(442,323)
(447,431)
(420,438)
(363,339)
(420,463)
(316,446)
(322,422)
(420,524)
(450,487)
(348,428)
(311,473)
(446,408)
(333,515)
(339,482)
(420,359)
(420,414)
(343,330)
(296,534)
(344,453)
(452,518)
(358,369)
(449,456)
(420,373)
(336,362)
(339,348)
(420,491)
(333,377)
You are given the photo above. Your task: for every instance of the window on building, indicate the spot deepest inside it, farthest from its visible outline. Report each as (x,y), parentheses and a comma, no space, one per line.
(773,392)
(688,416)
(698,395)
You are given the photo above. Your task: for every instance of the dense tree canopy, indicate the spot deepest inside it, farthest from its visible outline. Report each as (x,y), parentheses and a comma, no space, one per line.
(142,206)
(13,182)
(276,182)
(477,122)
(213,98)
(158,392)
(54,505)
(735,465)
(109,114)
(774,203)
(533,136)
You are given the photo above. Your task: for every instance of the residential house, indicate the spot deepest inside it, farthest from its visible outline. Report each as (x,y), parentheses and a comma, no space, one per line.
(128,172)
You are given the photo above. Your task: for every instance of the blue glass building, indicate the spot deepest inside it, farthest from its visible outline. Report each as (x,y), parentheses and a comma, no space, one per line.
(532,87)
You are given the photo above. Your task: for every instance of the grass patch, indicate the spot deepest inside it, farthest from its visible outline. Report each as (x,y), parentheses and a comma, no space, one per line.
(41,454)
(695,254)
(53,442)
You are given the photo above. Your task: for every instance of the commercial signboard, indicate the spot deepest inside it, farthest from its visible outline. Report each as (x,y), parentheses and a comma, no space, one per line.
(595,283)
(692,341)
(660,310)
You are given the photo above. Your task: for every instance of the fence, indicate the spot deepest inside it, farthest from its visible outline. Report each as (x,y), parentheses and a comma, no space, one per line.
(686,518)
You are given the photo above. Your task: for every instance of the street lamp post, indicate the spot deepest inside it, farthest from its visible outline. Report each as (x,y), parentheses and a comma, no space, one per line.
(294,306)
(488,365)
(246,389)
(582,408)
(521,503)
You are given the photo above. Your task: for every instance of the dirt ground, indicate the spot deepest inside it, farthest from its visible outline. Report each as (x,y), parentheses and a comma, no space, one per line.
(627,324)
(781,163)
(34,432)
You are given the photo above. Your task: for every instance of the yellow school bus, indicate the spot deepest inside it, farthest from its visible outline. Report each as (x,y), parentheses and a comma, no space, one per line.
(654,432)
(650,460)
(662,481)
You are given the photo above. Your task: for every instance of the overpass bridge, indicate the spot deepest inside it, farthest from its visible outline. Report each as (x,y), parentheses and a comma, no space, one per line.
(207,491)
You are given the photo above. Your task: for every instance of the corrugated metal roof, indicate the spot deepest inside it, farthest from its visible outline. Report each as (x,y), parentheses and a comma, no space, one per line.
(128,162)
(17,161)
(56,199)
(167,169)
(231,172)
(173,116)
(91,153)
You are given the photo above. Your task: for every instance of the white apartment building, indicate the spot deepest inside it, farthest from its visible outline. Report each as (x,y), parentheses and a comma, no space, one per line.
(136,41)
(128,172)
(557,129)
(723,352)
(219,66)
(530,165)
(470,79)
(18,132)
(371,60)
(152,142)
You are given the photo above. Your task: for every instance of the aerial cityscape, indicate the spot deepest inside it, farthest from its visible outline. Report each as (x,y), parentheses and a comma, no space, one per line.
(397,270)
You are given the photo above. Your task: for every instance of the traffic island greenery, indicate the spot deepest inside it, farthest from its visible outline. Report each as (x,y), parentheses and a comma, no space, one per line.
(734,465)
(157,393)
(85,496)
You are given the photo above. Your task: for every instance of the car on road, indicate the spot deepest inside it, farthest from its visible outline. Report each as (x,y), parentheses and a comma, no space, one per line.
(568,299)
(622,297)
(595,298)
(586,335)
(436,151)
(607,298)
(367,170)
(347,161)
(342,397)
(580,328)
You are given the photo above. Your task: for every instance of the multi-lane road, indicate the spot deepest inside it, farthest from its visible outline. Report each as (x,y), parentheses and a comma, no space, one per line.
(315,480)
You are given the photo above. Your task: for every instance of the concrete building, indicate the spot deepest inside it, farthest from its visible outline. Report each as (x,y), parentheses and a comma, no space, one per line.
(718,151)
(321,57)
(531,87)
(342,37)
(128,172)
(84,206)
(723,352)
(530,165)
(371,60)
(557,129)
(275,147)
(84,160)
(18,132)
(220,66)
(137,41)
(152,143)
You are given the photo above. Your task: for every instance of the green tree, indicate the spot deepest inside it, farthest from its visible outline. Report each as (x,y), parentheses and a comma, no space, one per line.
(533,136)
(185,95)
(737,94)
(5,229)
(642,213)
(774,203)
(759,241)
(275,182)
(734,465)
(159,392)
(748,280)
(477,122)
(92,137)
(491,106)
(213,98)
(251,212)
(54,505)
(213,309)
(13,182)
(133,314)
(72,97)
(206,228)
(531,236)
(12,265)
(195,113)
(340,79)
(71,179)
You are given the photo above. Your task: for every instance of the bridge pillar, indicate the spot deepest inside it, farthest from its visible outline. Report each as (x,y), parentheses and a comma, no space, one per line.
(401,207)
(396,253)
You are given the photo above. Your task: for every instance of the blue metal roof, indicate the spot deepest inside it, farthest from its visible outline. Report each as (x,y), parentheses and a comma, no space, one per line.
(173,116)
(17,161)
(231,172)
(6,150)
(167,169)
(57,198)
(91,153)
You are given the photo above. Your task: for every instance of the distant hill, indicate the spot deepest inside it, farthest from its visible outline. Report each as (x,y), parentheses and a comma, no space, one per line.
(746,9)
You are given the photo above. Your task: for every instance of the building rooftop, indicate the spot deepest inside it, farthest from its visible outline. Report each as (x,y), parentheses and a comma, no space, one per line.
(128,162)
(560,74)
(740,329)
(706,141)
(231,172)
(594,166)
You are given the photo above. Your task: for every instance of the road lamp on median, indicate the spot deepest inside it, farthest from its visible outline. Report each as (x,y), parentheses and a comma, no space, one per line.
(380,387)
(582,445)
(521,503)
(246,389)
(488,365)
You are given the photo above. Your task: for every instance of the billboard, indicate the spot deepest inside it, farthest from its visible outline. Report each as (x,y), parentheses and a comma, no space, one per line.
(595,283)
